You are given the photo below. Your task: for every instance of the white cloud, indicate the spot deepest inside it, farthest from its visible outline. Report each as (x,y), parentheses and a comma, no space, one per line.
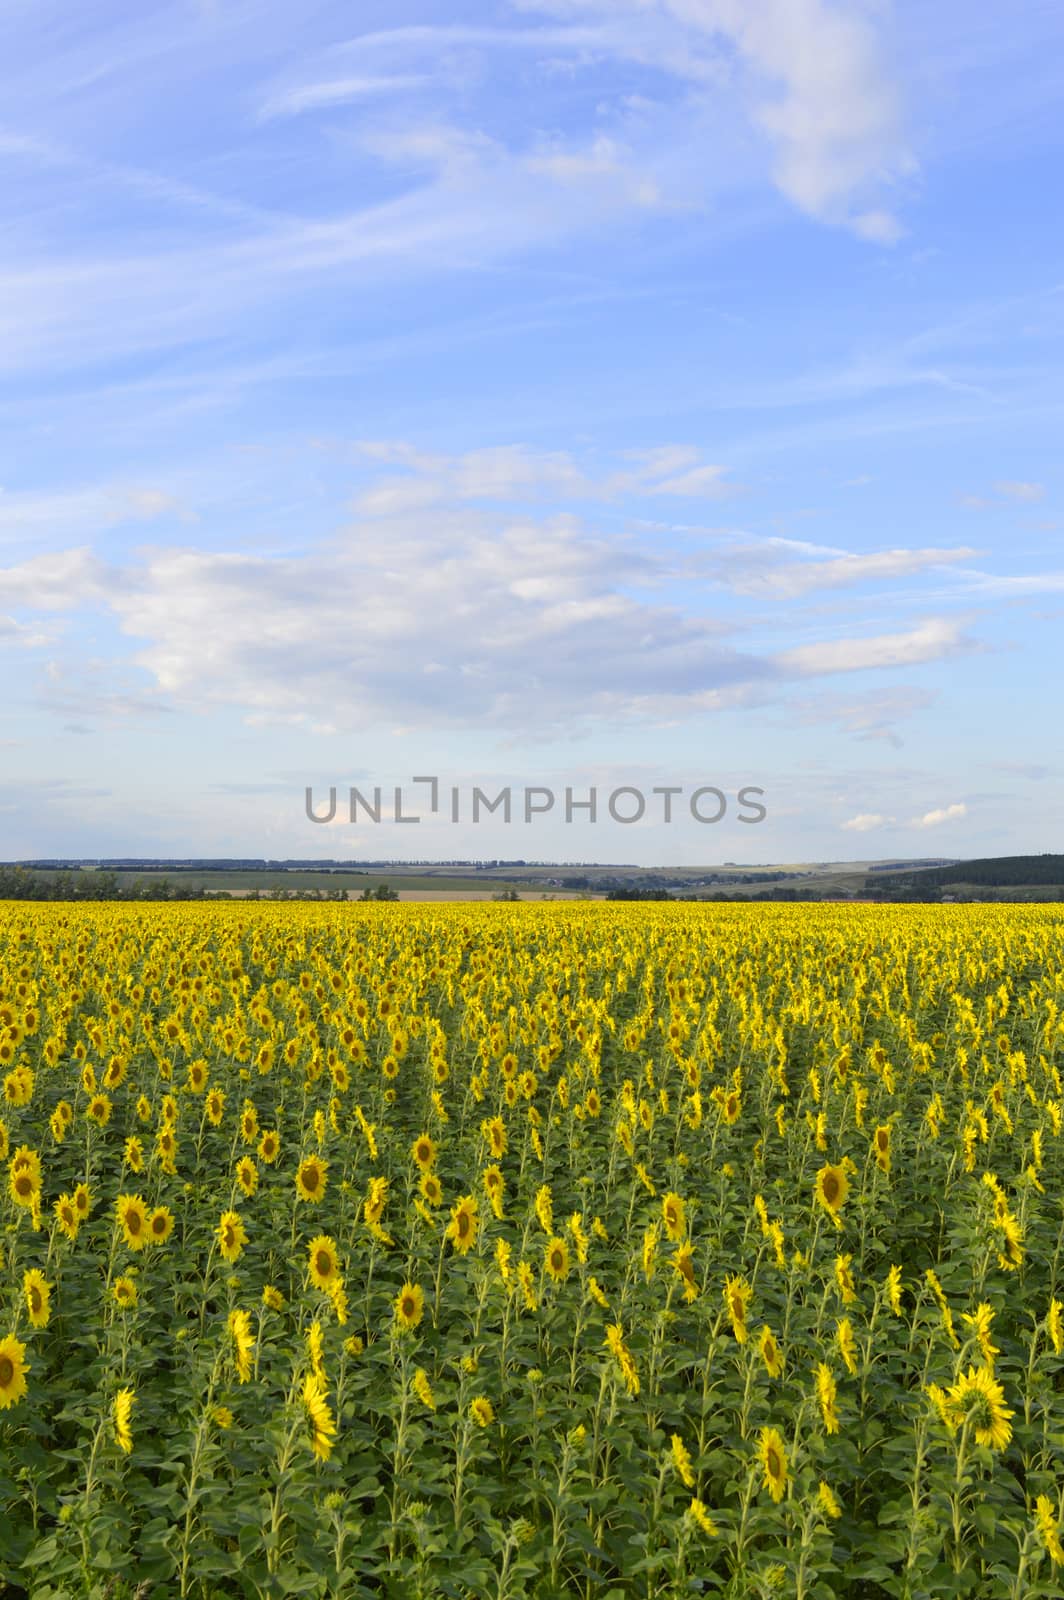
(1013,489)
(934,819)
(931,640)
(878,565)
(817,81)
(865,822)
(332,92)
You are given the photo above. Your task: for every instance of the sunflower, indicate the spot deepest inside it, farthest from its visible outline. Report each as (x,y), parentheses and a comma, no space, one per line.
(98,1110)
(979,1398)
(737,1297)
(222,1417)
(494,1187)
(423,1388)
(243,1343)
(771,1354)
(132,1214)
(826,1395)
(160,1225)
(319,1417)
(272,1298)
(25,1188)
(249,1123)
(13,1369)
(409,1307)
(232,1235)
(1048,1530)
(312,1178)
(832,1187)
(545,1208)
(464,1225)
(827,1502)
(124,1291)
(482,1412)
(82,1198)
(38,1295)
(701,1518)
(1055,1326)
(881,1147)
(731,1107)
(269,1146)
(772,1453)
(674,1216)
(556,1259)
(215,1107)
(67,1217)
(844,1280)
(847,1344)
(893,1289)
(133,1154)
(681,1460)
(247,1175)
(122,1410)
(324,1262)
(432,1189)
(423,1153)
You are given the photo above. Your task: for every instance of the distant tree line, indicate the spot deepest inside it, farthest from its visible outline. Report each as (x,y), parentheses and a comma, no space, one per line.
(994,872)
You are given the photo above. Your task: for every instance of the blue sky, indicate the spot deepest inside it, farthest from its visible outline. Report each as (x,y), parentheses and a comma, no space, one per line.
(557,393)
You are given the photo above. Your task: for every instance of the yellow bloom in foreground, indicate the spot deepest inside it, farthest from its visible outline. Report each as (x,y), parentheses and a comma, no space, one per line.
(979,1398)
(122,1411)
(13,1369)
(702,1519)
(832,1187)
(409,1306)
(482,1412)
(1046,1526)
(312,1178)
(423,1388)
(124,1291)
(319,1417)
(825,1393)
(893,1290)
(681,1460)
(243,1343)
(847,1344)
(464,1224)
(771,1354)
(38,1295)
(232,1236)
(323,1262)
(67,1217)
(827,1502)
(674,1216)
(160,1225)
(772,1453)
(1055,1326)
(556,1259)
(132,1215)
(737,1297)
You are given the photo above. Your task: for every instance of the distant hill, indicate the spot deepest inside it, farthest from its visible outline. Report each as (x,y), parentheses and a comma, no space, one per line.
(992,872)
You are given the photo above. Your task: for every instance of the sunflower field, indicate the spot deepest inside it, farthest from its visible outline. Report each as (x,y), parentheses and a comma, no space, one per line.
(541,1250)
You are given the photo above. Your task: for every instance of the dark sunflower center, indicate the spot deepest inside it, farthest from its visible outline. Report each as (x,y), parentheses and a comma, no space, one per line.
(35,1299)
(463,1224)
(310,1178)
(738,1310)
(409,1306)
(133,1221)
(7,1372)
(324,1263)
(557,1260)
(831,1189)
(24,1184)
(773,1463)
